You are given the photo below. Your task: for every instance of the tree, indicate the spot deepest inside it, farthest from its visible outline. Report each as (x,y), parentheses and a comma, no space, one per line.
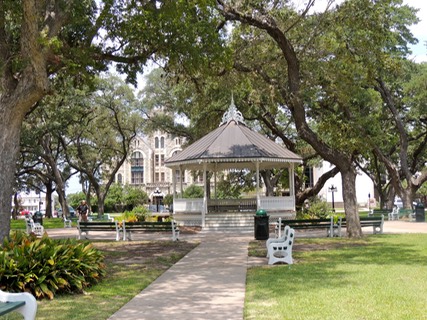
(315,52)
(406,155)
(100,143)
(40,40)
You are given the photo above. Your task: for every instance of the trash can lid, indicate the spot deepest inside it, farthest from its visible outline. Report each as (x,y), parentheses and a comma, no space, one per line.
(261,212)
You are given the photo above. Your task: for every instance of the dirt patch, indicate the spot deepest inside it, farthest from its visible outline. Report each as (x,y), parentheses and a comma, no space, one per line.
(144,252)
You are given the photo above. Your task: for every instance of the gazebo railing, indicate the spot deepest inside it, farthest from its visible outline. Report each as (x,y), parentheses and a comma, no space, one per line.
(188,205)
(277,203)
(231,205)
(234,205)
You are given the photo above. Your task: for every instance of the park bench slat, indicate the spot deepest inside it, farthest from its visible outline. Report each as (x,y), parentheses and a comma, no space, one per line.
(86,226)
(9,306)
(159,226)
(327,224)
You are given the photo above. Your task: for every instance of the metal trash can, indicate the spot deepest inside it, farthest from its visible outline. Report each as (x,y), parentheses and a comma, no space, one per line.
(261,223)
(420,214)
(38,217)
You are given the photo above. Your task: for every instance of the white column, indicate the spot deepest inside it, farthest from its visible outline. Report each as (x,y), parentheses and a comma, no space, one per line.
(205,196)
(258,199)
(291,180)
(173,187)
(180,181)
(216,169)
(292,183)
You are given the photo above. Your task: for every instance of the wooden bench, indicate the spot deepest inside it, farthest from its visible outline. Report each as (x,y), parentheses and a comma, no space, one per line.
(85,227)
(376,223)
(24,303)
(407,213)
(146,226)
(327,224)
(379,212)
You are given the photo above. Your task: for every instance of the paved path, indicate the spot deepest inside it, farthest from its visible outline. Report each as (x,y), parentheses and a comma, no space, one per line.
(208,283)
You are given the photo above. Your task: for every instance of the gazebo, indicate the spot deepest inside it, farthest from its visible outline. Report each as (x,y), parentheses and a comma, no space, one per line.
(232,146)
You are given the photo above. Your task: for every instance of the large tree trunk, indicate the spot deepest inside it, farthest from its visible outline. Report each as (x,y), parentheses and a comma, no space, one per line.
(348,178)
(10,129)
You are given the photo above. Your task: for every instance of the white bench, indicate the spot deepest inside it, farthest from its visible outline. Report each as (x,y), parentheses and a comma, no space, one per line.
(24,303)
(394,214)
(280,237)
(35,228)
(281,251)
(67,222)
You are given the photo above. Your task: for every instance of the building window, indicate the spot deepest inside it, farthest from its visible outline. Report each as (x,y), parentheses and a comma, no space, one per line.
(162,142)
(156,142)
(137,168)
(309,180)
(120,178)
(162,160)
(157,160)
(137,177)
(178,176)
(162,175)
(178,141)
(156,177)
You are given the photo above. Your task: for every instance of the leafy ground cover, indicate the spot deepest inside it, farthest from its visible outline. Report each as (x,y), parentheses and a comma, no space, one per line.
(377,277)
(131,266)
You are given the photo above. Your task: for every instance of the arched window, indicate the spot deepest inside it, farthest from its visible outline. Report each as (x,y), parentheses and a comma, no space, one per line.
(120,178)
(137,168)
(156,142)
(162,142)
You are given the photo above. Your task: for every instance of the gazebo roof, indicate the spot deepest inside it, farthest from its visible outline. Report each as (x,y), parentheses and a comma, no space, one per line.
(233,145)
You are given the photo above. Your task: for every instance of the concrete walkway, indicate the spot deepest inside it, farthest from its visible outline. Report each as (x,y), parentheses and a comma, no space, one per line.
(209,282)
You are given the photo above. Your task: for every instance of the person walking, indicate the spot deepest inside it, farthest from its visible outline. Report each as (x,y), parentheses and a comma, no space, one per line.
(82,210)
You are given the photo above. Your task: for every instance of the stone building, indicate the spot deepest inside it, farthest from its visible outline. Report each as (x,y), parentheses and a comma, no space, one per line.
(146,165)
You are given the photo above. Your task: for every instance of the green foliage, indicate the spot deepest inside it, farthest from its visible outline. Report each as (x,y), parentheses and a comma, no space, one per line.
(168,199)
(139,213)
(120,198)
(193,192)
(134,196)
(46,267)
(315,208)
(74,199)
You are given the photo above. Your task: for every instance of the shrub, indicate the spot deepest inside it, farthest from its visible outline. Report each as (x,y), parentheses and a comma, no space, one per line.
(46,267)
(139,213)
(315,208)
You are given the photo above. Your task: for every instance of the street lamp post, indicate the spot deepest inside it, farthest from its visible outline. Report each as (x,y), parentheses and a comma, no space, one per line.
(333,189)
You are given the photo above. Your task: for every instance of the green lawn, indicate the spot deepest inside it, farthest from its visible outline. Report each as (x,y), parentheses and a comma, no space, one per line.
(379,277)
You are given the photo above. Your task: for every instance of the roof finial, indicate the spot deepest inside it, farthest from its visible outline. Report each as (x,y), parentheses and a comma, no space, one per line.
(232,114)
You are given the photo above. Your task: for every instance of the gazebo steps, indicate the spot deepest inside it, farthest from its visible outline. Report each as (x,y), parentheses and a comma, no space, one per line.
(229,222)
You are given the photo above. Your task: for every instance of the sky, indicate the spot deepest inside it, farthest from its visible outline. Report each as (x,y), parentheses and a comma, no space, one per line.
(419,30)
(419,55)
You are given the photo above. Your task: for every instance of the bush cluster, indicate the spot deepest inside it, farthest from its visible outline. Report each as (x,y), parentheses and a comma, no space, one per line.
(46,267)
(315,208)
(139,213)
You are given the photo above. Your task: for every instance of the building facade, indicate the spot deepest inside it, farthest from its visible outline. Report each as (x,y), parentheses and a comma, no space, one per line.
(146,165)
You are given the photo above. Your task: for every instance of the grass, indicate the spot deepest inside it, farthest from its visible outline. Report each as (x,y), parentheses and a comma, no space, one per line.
(378,277)
(47,223)
(130,268)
